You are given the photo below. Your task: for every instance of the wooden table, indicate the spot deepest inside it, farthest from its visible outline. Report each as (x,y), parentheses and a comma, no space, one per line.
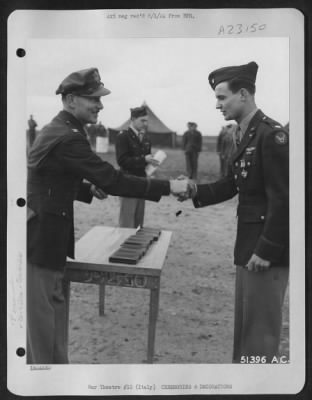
(91,265)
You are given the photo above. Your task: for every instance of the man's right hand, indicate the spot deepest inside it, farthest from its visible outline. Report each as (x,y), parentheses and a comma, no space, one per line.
(150,160)
(98,193)
(179,187)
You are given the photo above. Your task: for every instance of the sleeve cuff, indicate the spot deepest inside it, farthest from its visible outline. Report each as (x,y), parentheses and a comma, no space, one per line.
(268,250)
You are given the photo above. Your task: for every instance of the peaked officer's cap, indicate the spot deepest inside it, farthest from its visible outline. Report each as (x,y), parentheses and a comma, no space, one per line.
(86,82)
(246,72)
(138,112)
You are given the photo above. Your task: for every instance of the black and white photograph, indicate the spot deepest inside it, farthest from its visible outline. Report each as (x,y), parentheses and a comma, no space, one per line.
(156,239)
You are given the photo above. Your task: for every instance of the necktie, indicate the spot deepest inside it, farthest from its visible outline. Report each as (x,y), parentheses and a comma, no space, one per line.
(238,135)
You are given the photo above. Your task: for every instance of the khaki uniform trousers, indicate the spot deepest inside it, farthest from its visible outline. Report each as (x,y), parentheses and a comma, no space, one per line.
(191,159)
(259,301)
(131,212)
(47,316)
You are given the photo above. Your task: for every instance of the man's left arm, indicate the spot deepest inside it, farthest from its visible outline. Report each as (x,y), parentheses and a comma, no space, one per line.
(274,240)
(200,141)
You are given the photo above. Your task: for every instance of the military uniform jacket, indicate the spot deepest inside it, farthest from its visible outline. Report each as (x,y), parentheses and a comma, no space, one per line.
(59,160)
(192,141)
(131,152)
(259,173)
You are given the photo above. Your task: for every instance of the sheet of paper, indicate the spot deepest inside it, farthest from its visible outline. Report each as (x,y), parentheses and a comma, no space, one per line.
(160,156)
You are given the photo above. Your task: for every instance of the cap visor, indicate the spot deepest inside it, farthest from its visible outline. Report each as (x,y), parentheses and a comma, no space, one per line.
(102,91)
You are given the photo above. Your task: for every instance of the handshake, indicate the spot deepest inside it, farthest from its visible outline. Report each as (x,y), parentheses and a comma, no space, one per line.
(183,188)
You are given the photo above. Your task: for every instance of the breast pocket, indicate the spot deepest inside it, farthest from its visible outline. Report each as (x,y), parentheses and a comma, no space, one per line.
(146,148)
(135,150)
(249,159)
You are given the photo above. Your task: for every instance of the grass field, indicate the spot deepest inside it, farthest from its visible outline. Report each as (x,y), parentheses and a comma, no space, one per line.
(174,165)
(195,322)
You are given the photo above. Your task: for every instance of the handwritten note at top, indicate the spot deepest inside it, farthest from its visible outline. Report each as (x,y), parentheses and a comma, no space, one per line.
(239,29)
(150,15)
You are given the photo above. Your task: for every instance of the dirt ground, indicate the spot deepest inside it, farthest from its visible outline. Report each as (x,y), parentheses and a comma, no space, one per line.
(195,321)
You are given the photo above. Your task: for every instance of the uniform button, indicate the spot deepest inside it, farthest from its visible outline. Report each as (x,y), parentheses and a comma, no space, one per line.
(237,188)
(248,163)
(64,214)
(235,176)
(236,164)
(262,217)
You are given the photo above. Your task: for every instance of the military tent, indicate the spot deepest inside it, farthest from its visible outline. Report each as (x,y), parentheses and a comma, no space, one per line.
(159,134)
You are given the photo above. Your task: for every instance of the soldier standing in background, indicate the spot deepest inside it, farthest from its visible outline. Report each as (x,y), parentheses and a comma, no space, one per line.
(94,131)
(225,147)
(133,153)
(192,145)
(101,131)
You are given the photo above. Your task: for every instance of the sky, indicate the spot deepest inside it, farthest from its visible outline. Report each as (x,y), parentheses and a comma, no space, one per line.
(169,74)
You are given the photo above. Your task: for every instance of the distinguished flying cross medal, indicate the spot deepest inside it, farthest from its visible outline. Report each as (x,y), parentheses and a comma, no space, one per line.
(244,173)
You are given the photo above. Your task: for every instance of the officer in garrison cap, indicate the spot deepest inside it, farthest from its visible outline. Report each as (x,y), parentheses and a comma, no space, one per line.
(59,160)
(259,174)
(133,154)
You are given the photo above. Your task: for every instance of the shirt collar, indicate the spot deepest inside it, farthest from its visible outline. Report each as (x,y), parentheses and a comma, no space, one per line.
(67,116)
(245,122)
(134,130)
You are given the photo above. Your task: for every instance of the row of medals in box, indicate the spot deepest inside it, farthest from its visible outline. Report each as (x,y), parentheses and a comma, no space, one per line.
(135,246)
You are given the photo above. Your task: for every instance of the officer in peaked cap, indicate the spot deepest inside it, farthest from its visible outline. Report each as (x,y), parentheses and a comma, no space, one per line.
(86,82)
(133,154)
(59,160)
(259,174)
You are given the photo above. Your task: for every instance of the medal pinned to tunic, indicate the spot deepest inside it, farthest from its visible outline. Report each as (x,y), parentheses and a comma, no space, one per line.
(244,173)
(250,150)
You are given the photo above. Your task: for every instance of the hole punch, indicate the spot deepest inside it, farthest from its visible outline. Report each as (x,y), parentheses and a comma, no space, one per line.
(21,202)
(21,352)
(20,52)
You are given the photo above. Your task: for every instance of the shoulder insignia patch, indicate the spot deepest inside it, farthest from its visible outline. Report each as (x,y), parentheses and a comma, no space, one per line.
(281,138)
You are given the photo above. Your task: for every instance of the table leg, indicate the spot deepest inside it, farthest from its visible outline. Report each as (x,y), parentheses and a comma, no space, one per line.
(153,313)
(66,291)
(101,299)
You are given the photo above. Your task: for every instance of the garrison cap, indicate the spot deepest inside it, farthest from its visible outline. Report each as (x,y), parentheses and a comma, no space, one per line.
(86,82)
(138,112)
(246,72)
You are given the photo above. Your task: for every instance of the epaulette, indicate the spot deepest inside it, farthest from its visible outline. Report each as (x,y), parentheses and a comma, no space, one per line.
(272,124)
(280,134)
